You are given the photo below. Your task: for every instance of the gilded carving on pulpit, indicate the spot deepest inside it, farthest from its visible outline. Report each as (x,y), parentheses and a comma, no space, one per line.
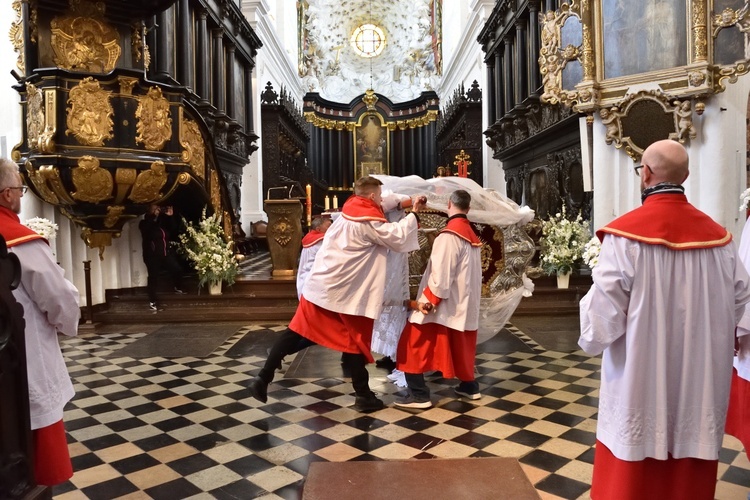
(113,215)
(215,190)
(34,115)
(154,121)
(51,178)
(40,184)
(16,35)
(83,40)
(192,140)
(148,184)
(90,113)
(93,183)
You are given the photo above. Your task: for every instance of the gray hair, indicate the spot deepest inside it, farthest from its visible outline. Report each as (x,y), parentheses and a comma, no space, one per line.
(8,173)
(461,200)
(318,221)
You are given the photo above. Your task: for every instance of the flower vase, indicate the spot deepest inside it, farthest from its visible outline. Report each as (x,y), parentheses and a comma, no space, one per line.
(563,280)
(214,288)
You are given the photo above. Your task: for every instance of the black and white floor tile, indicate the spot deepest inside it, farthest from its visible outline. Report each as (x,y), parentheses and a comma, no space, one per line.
(186,428)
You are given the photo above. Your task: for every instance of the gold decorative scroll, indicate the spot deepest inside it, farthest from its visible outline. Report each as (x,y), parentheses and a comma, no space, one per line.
(126,84)
(195,151)
(34,115)
(553,57)
(40,184)
(154,123)
(90,113)
(124,180)
(51,178)
(98,239)
(668,118)
(148,185)
(113,215)
(84,41)
(93,183)
(215,191)
(370,99)
(700,40)
(16,35)
(46,140)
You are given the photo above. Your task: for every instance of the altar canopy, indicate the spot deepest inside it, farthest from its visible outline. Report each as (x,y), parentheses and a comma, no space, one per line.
(488,207)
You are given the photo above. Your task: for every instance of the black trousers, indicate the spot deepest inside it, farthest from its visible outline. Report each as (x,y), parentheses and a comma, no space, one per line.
(290,342)
(155,265)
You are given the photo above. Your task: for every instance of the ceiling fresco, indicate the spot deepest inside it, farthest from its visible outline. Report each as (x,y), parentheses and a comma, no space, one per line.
(409,64)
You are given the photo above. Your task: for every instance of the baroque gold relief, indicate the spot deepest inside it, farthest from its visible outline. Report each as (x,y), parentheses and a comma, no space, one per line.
(154,123)
(16,35)
(84,41)
(113,215)
(93,183)
(40,184)
(215,191)
(34,115)
(90,113)
(148,184)
(195,151)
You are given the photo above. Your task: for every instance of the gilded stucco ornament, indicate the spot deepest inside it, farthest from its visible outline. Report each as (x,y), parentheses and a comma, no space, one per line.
(90,113)
(16,35)
(113,215)
(93,183)
(83,40)
(195,151)
(98,239)
(34,115)
(40,184)
(148,185)
(154,121)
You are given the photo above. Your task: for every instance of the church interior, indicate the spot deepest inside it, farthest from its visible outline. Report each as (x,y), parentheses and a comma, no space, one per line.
(259,116)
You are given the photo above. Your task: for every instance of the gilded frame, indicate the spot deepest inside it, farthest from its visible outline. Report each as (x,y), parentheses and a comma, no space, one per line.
(372,146)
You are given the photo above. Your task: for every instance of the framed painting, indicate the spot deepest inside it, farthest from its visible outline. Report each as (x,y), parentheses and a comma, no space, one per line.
(371,147)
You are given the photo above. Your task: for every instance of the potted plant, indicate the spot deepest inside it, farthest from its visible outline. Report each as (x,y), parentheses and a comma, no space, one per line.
(212,257)
(562,243)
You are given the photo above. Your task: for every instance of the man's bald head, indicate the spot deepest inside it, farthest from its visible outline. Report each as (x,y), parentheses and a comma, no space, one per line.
(667,161)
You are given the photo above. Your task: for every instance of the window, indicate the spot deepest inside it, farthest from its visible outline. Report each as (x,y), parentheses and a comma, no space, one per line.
(368,40)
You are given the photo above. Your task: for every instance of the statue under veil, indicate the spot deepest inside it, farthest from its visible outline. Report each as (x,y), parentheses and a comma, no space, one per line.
(504,283)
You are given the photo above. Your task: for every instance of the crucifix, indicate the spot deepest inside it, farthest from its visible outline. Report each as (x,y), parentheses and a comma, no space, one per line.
(462,164)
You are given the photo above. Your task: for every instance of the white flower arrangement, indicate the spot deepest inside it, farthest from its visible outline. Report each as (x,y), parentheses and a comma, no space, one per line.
(562,242)
(745,199)
(43,227)
(591,252)
(204,245)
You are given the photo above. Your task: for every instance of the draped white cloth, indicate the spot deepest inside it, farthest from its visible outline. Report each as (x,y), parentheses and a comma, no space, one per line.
(742,360)
(487,207)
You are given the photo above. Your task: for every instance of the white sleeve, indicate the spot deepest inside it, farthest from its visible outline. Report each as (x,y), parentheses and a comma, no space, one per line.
(398,236)
(604,308)
(45,284)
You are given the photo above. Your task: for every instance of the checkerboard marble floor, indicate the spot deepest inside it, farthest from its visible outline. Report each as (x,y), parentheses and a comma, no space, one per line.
(186,427)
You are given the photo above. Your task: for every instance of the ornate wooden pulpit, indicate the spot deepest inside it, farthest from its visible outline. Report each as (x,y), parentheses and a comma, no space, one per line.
(284,235)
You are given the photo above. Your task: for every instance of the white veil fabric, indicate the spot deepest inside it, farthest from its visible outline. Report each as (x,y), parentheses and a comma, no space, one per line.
(487,207)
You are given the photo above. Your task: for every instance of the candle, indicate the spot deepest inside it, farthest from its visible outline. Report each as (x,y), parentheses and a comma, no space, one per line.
(335,202)
(328,202)
(308,190)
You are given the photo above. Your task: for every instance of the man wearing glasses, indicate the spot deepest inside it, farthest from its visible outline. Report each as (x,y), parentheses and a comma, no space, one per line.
(668,292)
(50,305)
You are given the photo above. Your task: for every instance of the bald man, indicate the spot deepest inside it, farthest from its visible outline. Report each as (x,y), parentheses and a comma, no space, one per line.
(668,292)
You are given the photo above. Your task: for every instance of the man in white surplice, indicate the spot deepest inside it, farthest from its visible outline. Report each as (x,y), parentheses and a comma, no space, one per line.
(668,291)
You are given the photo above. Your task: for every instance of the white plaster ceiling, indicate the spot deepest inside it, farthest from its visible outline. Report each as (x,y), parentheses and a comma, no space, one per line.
(401,72)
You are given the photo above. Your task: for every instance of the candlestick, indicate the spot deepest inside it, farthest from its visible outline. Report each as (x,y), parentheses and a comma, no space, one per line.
(328,202)
(335,202)
(308,190)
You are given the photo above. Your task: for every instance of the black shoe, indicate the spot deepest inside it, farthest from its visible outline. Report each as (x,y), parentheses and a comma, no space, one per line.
(258,389)
(386,363)
(368,404)
(468,390)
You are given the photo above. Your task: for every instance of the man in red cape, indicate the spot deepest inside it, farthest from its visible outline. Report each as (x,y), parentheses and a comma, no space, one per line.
(50,305)
(343,294)
(668,292)
(442,334)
